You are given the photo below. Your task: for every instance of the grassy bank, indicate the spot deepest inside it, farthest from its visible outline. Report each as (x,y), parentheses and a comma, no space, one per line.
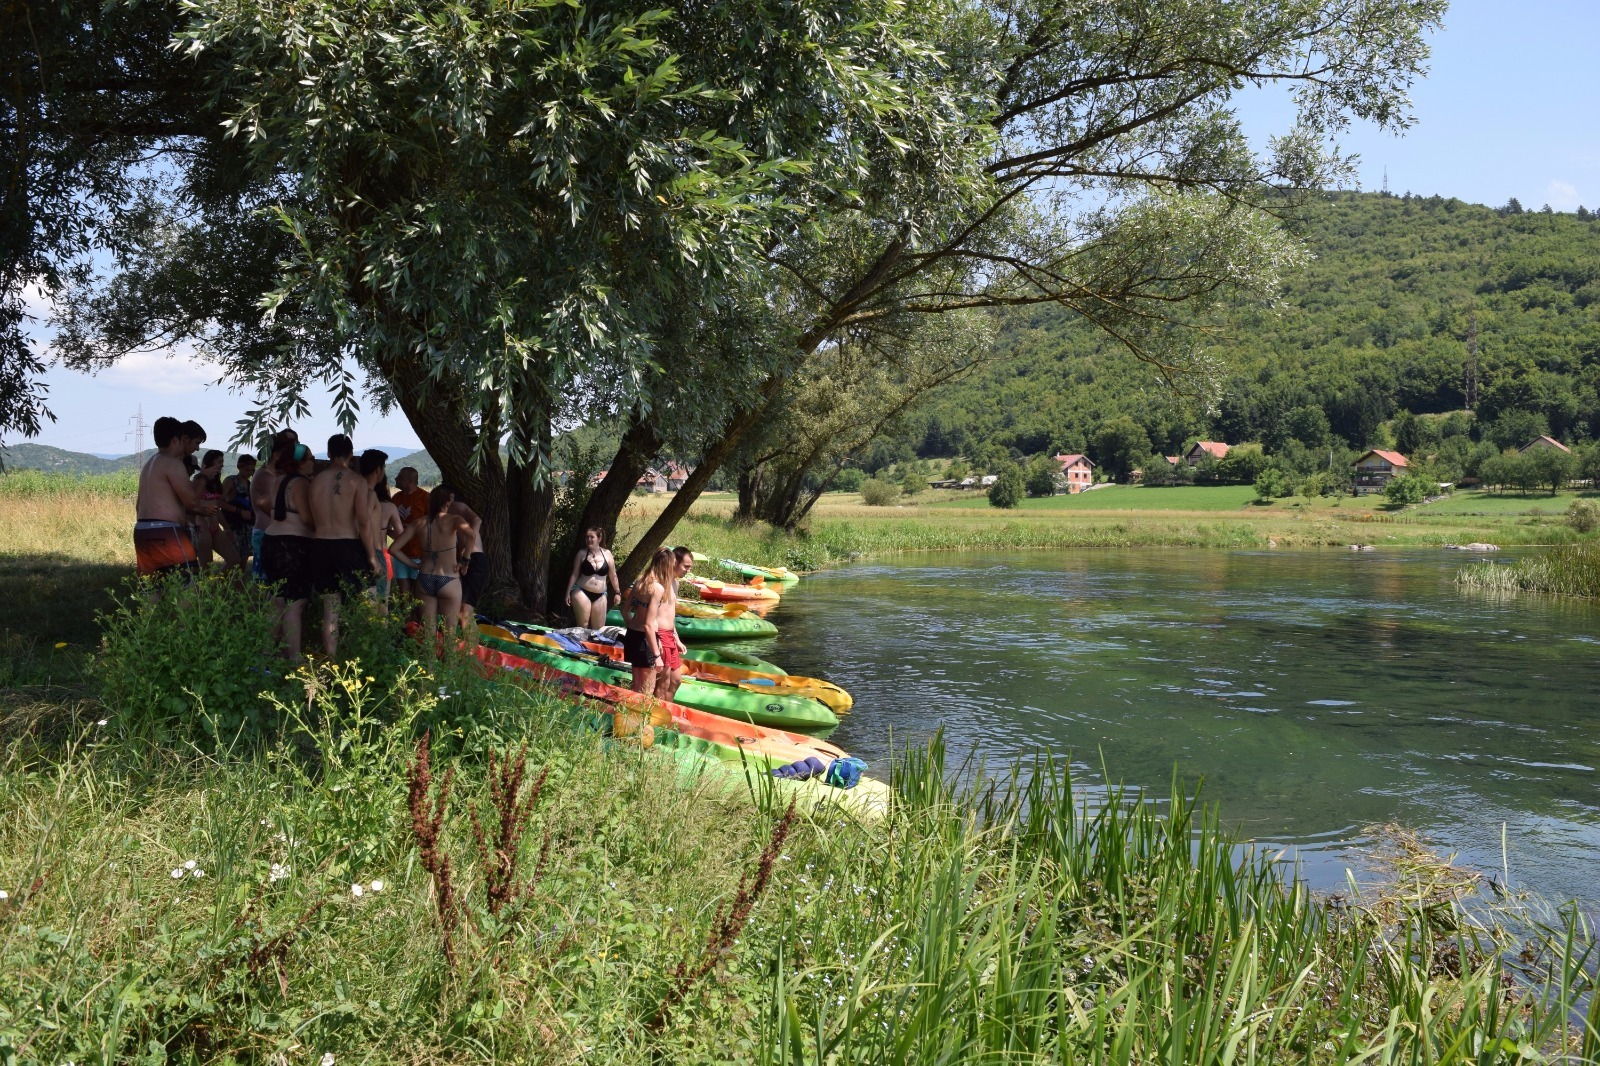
(179,891)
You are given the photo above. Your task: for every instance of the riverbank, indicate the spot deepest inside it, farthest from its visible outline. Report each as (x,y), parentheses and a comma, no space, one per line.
(271,899)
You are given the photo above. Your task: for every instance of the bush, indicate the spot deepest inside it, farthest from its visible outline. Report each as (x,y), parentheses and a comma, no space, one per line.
(1041,477)
(850,479)
(1584,516)
(1273,483)
(879,493)
(1325,483)
(184,661)
(1406,489)
(1008,487)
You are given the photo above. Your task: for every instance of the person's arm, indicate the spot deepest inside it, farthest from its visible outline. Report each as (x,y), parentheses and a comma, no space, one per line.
(650,614)
(611,575)
(183,491)
(260,498)
(407,535)
(366,527)
(393,527)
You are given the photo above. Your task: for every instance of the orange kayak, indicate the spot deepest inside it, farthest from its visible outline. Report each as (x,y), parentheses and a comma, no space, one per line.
(726,592)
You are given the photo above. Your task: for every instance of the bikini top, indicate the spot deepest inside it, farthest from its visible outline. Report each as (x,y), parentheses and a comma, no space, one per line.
(588,569)
(433,553)
(281,509)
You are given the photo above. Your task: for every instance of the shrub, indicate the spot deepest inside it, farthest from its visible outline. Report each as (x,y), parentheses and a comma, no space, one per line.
(850,479)
(189,660)
(1007,488)
(879,493)
(1041,477)
(1406,489)
(1273,483)
(1584,516)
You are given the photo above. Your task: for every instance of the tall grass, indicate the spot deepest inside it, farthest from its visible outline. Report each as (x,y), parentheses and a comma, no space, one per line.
(46,484)
(1566,570)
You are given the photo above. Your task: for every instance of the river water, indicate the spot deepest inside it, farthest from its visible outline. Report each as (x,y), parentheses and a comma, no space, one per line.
(1307,694)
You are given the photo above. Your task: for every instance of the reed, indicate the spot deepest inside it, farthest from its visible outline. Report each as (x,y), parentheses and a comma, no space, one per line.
(1565,570)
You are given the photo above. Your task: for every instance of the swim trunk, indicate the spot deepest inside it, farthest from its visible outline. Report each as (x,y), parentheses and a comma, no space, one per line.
(341,566)
(403,571)
(671,650)
(476,579)
(636,649)
(287,562)
(162,546)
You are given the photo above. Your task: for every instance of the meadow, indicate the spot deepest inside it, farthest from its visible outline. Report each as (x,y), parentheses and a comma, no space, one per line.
(207,859)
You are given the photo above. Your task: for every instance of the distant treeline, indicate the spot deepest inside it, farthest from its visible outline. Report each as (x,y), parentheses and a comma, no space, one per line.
(1425,324)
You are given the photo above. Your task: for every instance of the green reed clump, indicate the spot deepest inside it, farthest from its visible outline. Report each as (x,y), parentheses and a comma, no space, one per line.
(1565,570)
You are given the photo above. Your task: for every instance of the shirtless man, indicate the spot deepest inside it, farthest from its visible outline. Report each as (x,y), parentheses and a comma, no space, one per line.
(411,503)
(670,673)
(341,515)
(384,524)
(161,539)
(263,489)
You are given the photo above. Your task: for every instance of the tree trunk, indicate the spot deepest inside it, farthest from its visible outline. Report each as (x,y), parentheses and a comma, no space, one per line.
(711,461)
(750,485)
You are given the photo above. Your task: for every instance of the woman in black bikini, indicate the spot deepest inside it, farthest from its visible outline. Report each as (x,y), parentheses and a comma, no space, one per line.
(438,580)
(594,575)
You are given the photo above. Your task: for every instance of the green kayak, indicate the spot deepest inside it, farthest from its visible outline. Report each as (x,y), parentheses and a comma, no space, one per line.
(733,627)
(717,656)
(798,713)
(771,573)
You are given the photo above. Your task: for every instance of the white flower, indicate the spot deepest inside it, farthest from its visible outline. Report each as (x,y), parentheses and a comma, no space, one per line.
(326,1060)
(356,890)
(376,886)
(4,895)
(190,864)
(102,721)
(197,873)
(177,873)
(278,872)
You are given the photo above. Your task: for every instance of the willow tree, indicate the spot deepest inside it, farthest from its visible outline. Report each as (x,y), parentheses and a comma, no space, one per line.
(488,214)
(1089,155)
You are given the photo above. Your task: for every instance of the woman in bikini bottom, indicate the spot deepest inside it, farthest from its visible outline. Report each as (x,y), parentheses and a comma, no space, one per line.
(433,584)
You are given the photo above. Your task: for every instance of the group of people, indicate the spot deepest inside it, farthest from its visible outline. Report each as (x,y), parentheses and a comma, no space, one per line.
(333,529)
(329,529)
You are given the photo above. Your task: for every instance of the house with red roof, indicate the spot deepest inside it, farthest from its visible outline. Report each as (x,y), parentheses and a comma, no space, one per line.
(1203,450)
(1078,471)
(1543,443)
(1375,468)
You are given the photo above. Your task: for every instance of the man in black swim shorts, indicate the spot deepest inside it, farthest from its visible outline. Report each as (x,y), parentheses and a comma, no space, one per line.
(341,508)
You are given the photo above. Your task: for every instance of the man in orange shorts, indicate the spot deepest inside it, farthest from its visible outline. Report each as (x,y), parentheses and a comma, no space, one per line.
(161,539)
(669,675)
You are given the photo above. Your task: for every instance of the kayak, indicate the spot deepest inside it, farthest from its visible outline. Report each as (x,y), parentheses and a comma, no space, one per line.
(723,627)
(770,573)
(868,801)
(751,680)
(774,708)
(720,656)
(724,592)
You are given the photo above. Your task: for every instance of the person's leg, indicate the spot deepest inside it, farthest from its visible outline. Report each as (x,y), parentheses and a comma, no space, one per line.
(430,617)
(330,624)
(225,547)
(450,604)
(202,544)
(293,619)
(578,600)
(597,612)
(644,679)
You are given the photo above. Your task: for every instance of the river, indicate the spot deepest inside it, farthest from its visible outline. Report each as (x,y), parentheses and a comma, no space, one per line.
(1313,693)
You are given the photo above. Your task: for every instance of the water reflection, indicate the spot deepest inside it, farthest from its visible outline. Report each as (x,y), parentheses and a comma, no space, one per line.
(1312,692)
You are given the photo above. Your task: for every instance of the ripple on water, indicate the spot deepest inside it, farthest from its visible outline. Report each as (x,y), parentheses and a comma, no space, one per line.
(1331,703)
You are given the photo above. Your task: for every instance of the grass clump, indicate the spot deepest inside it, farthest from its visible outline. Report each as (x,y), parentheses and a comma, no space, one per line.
(1565,570)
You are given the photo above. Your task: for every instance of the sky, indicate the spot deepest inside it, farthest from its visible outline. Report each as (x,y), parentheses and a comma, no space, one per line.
(1507,110)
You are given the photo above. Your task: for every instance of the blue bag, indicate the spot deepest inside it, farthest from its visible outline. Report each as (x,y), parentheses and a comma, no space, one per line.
(845,772)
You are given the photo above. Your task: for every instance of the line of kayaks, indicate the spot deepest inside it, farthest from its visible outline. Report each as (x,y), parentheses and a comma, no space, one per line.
(709,750)
(753,675)
(705,622)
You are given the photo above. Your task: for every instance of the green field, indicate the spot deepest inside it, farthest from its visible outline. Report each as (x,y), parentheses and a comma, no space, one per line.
(1476,502)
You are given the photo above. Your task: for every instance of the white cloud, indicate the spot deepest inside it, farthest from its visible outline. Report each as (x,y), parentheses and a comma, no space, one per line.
(1561,195)
(170,372)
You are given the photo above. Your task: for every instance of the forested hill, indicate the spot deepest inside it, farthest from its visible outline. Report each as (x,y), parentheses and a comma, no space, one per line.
(1377,323)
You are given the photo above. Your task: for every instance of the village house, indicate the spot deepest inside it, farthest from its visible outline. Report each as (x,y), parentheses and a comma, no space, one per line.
(1375,468)
(1202,450)
(1078,470)
(1543,443)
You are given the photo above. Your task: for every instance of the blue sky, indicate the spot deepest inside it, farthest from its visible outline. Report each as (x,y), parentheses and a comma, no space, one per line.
(1509,109)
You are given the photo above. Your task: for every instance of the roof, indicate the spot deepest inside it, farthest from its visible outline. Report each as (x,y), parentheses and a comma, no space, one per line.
(1073,460)
(1392,458)
(1211,447)
(1548,442)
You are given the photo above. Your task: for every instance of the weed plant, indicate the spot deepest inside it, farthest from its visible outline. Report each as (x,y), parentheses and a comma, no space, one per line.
(1565,570)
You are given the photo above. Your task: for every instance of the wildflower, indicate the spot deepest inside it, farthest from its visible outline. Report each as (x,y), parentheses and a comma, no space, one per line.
(278,872)
(102,721)
(357,890)
(326,1060)
(60,644)
(375,887)
(4,895)
(189,864)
